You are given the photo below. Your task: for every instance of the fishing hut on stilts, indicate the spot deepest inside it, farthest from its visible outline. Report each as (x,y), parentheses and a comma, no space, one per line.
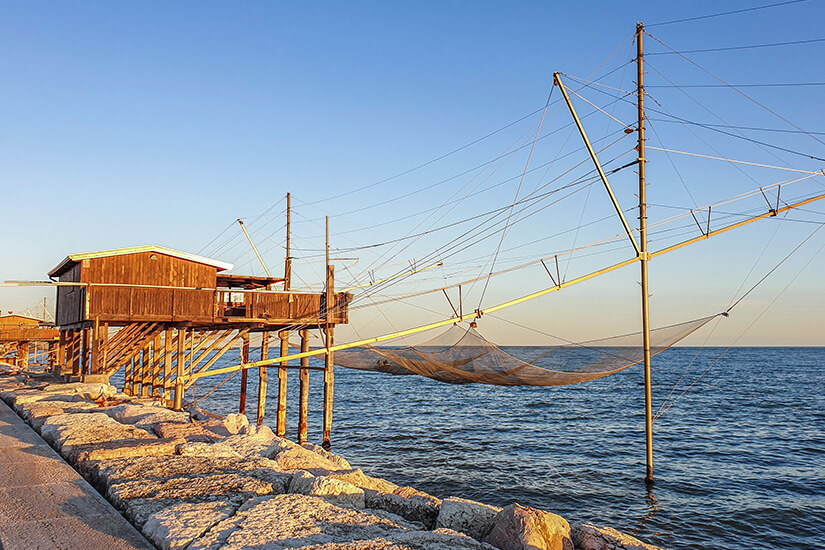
(27,341)
(167,317)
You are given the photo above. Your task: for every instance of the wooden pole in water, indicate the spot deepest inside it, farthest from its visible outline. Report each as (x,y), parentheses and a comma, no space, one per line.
(282,380)
(643,255)
(263,378)
(303,410)
(244,373)
(329,366)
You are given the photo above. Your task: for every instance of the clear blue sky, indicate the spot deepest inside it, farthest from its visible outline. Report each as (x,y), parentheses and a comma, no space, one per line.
(129,123)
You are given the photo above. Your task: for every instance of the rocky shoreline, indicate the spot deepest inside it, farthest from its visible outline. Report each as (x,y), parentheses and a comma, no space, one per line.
(188,481)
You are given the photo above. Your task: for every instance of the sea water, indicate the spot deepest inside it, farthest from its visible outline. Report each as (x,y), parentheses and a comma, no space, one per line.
(739,457)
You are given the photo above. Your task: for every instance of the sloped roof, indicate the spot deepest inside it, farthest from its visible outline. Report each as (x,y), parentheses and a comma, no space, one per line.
(72,259)
(6,318)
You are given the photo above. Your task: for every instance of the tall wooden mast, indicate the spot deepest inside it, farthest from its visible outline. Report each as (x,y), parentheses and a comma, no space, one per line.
(643,255)
(288,260)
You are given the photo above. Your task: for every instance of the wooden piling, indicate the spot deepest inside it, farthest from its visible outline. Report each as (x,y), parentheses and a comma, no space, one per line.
(94,352)
(167,364)
(263,378)
(180,367)
(282,384)
(303,409)
(244,373)
(329,365)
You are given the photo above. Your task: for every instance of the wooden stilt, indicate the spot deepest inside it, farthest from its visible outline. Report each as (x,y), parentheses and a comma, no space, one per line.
(263,377)
(181,366)
(282,384)
(84,351)
(104,348)
(61,353)
(329,365)
(303,409)
(128,377)
(167,364)
(157,366)
(244,373)
(94,352)
(145,363)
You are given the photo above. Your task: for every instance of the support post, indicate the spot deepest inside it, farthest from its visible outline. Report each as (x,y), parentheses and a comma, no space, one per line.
(157,367)
(181,363)
(244,373)
(84,351)
(145,363)
(104,348)
(643,256)
(280,427)
(129,377)
(303,409)
(167,365)
(94,353)
(263,378)
(61,352)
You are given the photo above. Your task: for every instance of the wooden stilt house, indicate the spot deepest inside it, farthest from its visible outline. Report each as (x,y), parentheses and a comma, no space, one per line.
(19,334)
(165,315)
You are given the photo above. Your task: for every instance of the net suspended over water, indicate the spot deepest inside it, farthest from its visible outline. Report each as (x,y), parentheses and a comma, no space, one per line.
(463,356)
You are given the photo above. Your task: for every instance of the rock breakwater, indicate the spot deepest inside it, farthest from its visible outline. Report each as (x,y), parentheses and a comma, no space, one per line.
(189,482)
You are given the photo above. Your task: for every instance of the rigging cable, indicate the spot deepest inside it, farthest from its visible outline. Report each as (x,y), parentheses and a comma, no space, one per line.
(732,12)
(758,317)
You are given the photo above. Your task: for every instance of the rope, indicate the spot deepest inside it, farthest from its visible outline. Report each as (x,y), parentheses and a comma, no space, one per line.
(518,192)
(758,317)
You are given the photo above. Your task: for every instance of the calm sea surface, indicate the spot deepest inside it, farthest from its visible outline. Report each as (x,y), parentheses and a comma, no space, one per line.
(740,458)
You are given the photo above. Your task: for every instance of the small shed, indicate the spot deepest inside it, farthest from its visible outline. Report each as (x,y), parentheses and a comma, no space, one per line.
(139,284)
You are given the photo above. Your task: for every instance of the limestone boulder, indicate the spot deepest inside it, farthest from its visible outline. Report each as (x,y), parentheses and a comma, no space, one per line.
(339,461)
(138,497)
(92,392)
(72,433)
(145,415)
(334,490)
(435,540)
(409,503)
(236,423)
(212,450)
(359,479)
(291,456)
(281,521)
(521,528)
(189,431)
(254,442)
(466,516)
(587,536)
(176,526)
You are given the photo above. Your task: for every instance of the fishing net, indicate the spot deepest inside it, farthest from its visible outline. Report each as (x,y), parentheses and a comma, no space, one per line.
(463,356)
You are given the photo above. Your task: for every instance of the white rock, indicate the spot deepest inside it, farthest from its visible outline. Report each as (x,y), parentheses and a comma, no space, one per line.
(236,423)
(175,527)
(335,490)
(466,516)
(587,536)
(212,450)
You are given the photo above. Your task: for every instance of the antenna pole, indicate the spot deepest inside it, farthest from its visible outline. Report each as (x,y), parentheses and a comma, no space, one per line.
(288,261)
(643,254)
(248,238)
